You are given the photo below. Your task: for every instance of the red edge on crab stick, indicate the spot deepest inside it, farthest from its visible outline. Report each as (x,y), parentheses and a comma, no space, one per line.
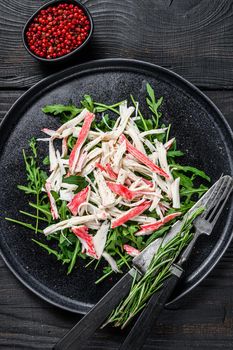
(73,160)
(149,228)
(78,199)
(121,190)
(131,250)
(82,233)
(130,214)
(53,206)
(108,170)
(142,158)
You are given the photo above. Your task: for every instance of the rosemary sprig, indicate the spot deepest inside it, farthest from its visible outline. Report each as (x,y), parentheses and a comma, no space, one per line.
(154,277)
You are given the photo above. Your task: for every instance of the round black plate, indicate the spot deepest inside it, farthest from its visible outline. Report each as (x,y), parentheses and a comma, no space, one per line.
(201,132)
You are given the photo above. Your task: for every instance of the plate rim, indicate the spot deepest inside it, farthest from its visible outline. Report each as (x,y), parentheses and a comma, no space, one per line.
(104,64)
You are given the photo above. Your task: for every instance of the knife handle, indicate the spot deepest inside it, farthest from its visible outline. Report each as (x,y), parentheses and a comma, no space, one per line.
(78,336)
(142,328)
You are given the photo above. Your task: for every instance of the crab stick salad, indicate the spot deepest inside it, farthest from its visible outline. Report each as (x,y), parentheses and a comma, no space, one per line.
(111,189)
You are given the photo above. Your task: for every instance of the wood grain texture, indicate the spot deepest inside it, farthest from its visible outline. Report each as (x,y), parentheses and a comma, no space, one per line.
(192,37)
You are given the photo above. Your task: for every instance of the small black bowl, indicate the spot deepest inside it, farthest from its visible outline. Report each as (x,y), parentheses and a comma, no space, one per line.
(73,53)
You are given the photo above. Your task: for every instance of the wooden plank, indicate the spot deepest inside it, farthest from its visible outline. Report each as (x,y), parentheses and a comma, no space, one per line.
(193,38)
(7,98)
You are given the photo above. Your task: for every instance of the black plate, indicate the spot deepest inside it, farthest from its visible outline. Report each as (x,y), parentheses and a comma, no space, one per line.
(201,132)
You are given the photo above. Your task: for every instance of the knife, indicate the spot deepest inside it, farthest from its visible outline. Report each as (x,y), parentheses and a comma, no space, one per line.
(78,336)
(203,224)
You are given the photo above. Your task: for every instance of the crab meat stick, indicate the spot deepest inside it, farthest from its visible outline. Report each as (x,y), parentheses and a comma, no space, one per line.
(131,250)
(107,197)
(74,156)
(142,157)
(128,215)
(53,206)
(86,240)
(78,199)
(149,228)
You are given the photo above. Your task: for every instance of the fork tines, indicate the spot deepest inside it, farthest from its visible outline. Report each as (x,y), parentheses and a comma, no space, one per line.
(218,199)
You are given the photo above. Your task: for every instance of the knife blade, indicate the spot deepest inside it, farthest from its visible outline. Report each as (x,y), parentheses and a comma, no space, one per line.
(77,337)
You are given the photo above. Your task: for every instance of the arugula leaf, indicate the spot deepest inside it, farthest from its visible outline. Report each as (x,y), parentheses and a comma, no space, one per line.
(154,104)
(74,256)
(105,124)
(52,251)
(195,171)
(189,191)
(174,154)
(184,180)
(46,160)
(76,180)
(88,103)
(59,109)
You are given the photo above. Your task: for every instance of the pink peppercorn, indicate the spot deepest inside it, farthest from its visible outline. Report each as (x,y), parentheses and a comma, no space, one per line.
(57,30)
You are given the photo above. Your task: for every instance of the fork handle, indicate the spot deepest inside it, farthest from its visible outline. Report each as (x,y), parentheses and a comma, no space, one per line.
(141,329)
(78,336)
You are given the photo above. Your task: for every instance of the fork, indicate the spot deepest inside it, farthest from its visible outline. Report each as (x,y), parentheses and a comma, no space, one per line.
(203,224)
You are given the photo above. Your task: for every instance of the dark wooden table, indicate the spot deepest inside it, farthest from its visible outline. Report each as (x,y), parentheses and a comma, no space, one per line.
(191,37)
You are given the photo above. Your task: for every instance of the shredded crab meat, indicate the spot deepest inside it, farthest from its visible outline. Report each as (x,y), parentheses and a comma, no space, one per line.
(125,114)
(73,221)
(88,208)
(77,200)
(48,132)
(134,204)
(100,238)
(75,153)
(92,155)
(53,205)
(134,133)
(131,250)
(165,186)
(169,143)
(52,156)
(147,229)
(129,177)
(111,261)
(117,158)
(156,200)
(162,154)
(105,152)
(70,187)
(86,239)
(153,132)
(175,193)
(66,195)
(71,123)
(92,135)
(88,169)
(128,215)
(107,197)
(81,161)
(149,144)
(142,157)
(159,212)
(134,166)
(93,143)
(122,176)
